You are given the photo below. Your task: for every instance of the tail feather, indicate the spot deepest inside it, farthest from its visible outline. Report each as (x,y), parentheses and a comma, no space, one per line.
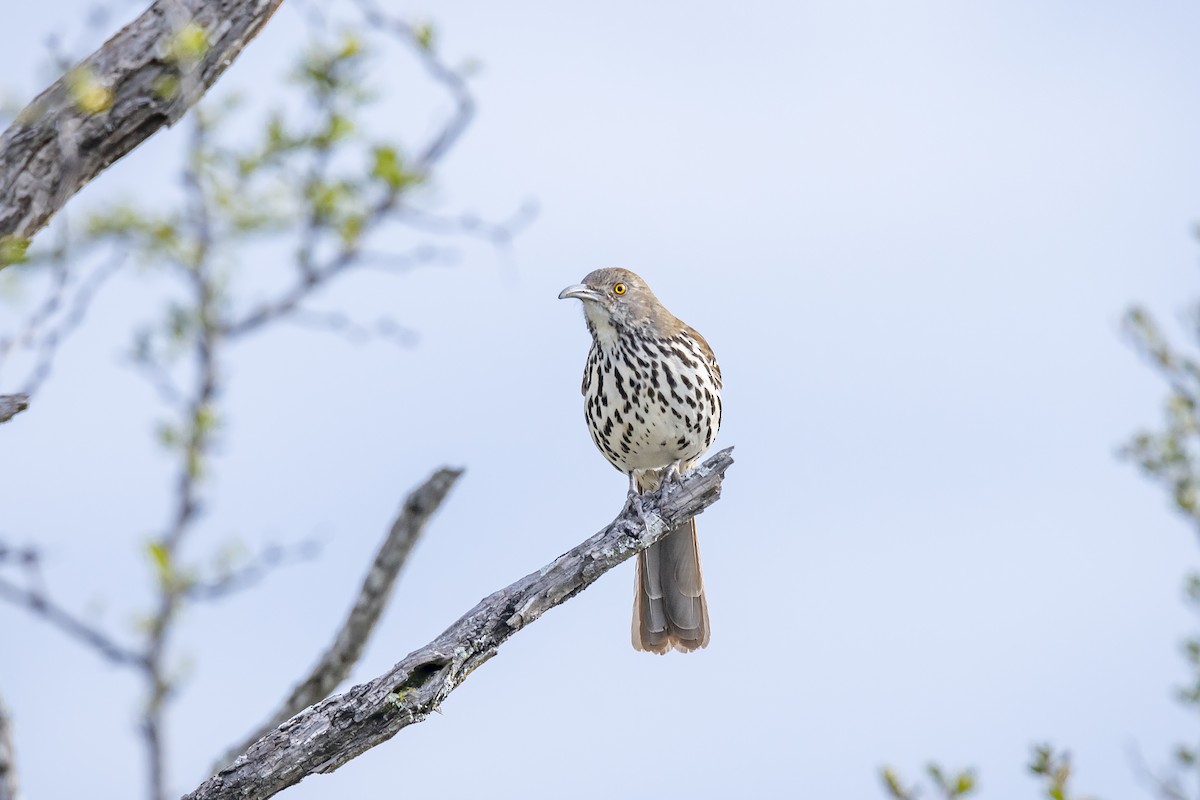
(669,610)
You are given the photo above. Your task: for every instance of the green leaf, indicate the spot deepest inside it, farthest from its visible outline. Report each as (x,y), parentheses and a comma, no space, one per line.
(161,558)
(351,228)
(168,435)
(87,92)
(206,419)
(965,783)
(895,789)
(423,34)
(13,249)
(387,166)
(351,46)
(337,127)
(189,44)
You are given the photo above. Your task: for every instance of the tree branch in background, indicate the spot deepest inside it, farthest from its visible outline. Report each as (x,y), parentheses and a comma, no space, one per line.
(41,606)
(331,733)
(144,77)
(8,763)
(950,785)
(451,79)
(58,315)
(335,664)
(321,185)
(12,404)
(232,579)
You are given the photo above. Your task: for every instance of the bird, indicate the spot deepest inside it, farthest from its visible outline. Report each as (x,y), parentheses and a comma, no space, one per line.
(652,402)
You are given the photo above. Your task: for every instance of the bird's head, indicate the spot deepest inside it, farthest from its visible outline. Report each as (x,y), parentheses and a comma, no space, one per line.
(617,298)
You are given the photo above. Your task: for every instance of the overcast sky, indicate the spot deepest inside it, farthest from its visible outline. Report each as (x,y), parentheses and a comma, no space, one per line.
(909,232)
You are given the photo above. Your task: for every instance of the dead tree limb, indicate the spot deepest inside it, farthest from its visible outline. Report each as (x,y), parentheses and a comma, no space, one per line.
(11,405)
(340,728)
(146,76)
(335,664)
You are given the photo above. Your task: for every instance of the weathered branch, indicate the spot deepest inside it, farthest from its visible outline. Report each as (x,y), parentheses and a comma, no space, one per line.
(145,77)
(335,664)
(8,764)
(342,727)
(11,405)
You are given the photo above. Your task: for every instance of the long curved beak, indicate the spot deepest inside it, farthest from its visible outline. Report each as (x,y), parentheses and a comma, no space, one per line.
(579,291)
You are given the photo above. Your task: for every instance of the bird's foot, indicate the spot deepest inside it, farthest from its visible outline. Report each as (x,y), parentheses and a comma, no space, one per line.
(639,510)
(634,503)
(673,472)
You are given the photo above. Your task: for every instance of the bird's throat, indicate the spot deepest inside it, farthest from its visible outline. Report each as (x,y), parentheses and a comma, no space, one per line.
(601,325)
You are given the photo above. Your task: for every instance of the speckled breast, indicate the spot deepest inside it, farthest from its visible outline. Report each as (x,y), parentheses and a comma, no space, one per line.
(649,402)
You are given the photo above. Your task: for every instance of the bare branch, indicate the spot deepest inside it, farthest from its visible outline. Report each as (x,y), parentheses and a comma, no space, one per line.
(46,309)
(289,301)
(342,727)
(40,605)
(452,80)
(1165,785)
(11,405)
(355,332)
(110,103)
(8,763)
(343,654)
(246,576)
(497,233)
(53,338)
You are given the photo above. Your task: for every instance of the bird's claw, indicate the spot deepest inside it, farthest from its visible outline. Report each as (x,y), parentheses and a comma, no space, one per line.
(635,505)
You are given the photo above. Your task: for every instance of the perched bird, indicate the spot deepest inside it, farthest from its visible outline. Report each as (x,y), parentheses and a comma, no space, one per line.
(652,401)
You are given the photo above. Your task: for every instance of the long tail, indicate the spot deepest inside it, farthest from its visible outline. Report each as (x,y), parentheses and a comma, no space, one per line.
(669,611)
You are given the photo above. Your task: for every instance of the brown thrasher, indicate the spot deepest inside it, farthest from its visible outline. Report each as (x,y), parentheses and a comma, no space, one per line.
(652,400)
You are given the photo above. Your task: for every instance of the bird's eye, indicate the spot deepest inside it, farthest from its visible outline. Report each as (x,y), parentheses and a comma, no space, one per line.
(619,289)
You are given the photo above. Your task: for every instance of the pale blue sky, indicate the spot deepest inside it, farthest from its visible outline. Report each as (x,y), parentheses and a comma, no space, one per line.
(909,232)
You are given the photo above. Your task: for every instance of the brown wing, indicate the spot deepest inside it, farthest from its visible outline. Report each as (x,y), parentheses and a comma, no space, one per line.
(709,356)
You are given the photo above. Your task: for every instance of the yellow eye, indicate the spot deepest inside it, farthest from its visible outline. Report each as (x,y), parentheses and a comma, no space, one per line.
(619,289)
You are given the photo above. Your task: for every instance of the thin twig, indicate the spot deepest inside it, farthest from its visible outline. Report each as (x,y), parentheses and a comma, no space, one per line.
(342,727)
(53,299)
(80,304)
(250,574)
(496,233)
(335,664)
(344,325)
(40,605)
(1166,786)
(453,81)
(288,303)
